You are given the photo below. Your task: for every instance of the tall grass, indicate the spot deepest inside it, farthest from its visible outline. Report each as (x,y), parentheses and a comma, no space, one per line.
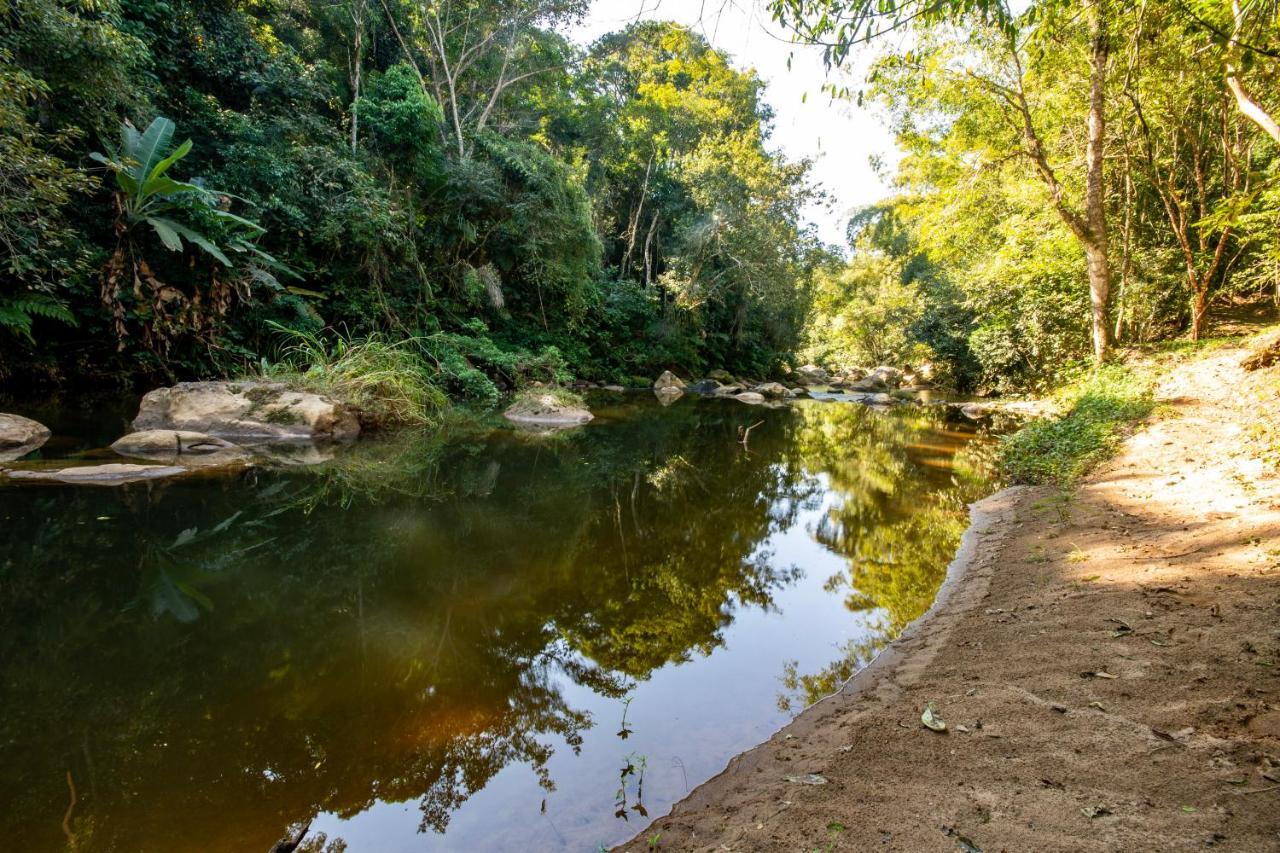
(392,384)
(1098,409)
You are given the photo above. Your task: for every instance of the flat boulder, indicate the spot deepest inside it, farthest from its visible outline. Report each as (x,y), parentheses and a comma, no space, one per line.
(19,436)
(749,397)
(546,410)
(246,412)
(729,390)
(668,380)
(113,474)
(169,443)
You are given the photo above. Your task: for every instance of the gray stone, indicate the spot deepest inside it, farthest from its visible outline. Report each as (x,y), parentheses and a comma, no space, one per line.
(703,386)
(773,389)
(114,474)
(811,374)
(546,410)
(19,436)
(668,380)
(246,411)
(170,443)
(750,397)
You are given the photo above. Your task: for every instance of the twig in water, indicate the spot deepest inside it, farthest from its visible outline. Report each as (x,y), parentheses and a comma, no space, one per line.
(66,818)
(745,434)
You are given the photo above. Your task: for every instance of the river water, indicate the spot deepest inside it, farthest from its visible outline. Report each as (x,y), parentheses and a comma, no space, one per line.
(482,640)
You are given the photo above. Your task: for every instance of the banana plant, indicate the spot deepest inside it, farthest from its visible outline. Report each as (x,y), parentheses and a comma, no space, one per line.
(179,213)
(149,196)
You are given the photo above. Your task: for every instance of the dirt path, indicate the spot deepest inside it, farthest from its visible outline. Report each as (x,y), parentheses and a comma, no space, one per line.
(1108,663)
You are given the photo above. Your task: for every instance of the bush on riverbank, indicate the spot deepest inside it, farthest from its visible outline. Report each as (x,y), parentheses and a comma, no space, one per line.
(1098,408)
(390,383)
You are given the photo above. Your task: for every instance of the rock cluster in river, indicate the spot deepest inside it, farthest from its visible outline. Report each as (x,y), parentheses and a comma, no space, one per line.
(20,436)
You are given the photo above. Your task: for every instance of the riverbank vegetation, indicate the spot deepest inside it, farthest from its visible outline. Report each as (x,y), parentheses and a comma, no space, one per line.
(189,187)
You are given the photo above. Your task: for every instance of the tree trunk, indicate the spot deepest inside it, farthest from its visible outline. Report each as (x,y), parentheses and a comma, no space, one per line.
(1099,293)
(1199,308)
(1095,246)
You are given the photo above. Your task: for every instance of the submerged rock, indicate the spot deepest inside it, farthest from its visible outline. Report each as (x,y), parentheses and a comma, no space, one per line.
(246,411)
(546,410)
(668,380)
(113,474)
(19,436)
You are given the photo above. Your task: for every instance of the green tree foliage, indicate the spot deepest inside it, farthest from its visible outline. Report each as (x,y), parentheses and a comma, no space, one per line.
(449,171)
(997,194)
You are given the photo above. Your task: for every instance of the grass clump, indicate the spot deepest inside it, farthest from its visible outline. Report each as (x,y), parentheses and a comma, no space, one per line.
(530,399)
(392,384)
(1098,408)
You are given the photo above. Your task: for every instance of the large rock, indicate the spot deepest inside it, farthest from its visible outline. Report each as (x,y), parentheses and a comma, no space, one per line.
(724,377)
(19,436)
(668,380)
(546,411)
(246,412)
(811,374)
(889,376)
(871,383)
(729,390)
(775,390)
(115,474)
(750,397)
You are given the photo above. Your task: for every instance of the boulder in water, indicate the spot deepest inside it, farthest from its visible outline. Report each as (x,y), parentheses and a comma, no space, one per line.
(114,474)
(775,390)
(19,436)
(811,374)
(246,412)
(546,410)
(668,380)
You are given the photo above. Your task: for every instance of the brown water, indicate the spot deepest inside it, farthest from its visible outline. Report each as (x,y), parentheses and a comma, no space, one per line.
(481,642)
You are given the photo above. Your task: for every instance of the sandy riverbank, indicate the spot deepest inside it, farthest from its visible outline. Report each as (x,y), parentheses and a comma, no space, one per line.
(1108,663)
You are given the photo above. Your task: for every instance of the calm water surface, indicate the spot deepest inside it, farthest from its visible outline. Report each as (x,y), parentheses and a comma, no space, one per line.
(486,642)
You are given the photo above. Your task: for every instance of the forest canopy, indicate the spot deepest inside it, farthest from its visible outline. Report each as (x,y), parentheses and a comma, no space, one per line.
(185,183)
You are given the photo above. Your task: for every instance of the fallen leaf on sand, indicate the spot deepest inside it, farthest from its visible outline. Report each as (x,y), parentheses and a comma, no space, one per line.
(931,719)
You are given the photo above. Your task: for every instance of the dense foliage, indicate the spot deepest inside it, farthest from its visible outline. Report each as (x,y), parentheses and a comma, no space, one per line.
(1073,175)
(450,172)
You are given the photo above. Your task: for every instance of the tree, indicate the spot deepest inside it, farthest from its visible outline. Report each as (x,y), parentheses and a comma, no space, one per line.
(838,25)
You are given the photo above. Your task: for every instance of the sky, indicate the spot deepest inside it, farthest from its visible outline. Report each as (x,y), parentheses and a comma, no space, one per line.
(840,136)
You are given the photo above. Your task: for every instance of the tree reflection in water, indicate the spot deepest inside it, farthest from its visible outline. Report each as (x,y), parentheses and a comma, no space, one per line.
(210,661)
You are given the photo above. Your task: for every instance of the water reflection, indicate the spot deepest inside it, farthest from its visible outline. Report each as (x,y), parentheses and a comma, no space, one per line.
(207,663)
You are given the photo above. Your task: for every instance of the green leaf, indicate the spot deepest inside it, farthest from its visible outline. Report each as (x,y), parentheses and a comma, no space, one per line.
(167,233)
(149,148)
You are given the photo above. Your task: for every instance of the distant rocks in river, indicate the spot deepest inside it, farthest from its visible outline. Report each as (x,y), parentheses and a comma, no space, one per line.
(811,374)
(20,436)
(249,410)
